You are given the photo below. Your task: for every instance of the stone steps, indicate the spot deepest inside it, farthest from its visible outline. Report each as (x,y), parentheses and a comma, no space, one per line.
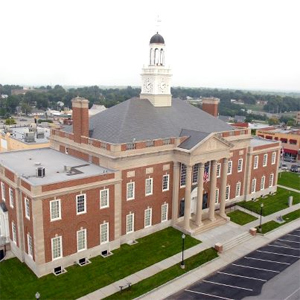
(208,226)
(237,241)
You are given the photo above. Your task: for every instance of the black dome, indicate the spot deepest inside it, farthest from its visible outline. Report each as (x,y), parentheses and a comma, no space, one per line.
(157,39)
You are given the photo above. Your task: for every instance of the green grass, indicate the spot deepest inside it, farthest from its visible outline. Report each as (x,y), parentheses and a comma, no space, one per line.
(289,179)
(269,226)
(240,217)
(164,276)
(18,282)
(272,203)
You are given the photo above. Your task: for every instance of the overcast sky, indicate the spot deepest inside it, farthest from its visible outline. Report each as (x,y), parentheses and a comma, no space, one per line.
(245,44)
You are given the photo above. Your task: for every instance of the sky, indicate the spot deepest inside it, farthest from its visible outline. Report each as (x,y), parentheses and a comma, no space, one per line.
(240,44)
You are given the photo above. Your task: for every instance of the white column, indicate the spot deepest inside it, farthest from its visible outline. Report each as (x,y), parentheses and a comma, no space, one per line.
(222,194)
(175,192)
(200,195)
(212,196)
(187,198)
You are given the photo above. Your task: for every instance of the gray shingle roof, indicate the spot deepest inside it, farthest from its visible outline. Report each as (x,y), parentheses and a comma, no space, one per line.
(137,119)
(194,138)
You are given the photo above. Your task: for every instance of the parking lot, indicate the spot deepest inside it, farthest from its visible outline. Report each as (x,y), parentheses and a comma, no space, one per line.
(246,276)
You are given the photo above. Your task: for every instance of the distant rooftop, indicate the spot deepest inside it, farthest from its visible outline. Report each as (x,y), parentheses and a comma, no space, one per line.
(25,164)
(254,142)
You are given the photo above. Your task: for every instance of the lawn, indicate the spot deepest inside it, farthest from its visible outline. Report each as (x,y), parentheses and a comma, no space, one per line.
(18,282)
(266,227)
(164,276)
(289,179)
(272,203)
(240,217)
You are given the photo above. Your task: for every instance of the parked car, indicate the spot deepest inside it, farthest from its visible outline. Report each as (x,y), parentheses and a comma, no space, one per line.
(284,167)
(289,159)
(295,168)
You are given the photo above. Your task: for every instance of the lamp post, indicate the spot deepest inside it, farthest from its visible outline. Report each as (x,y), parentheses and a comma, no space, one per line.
(261,211)
(37,296)
(182,265)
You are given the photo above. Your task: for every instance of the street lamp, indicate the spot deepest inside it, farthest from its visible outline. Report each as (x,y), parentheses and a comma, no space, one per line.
(261,211)
(182,265)
(37,296)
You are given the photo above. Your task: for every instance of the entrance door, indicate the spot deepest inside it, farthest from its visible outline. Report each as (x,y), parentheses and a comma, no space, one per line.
(205,201)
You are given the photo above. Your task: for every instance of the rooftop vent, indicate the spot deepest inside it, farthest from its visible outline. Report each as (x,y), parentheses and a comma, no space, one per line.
(40,172)
(29,137)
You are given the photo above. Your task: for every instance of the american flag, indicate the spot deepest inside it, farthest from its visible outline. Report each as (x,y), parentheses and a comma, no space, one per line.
(205,177)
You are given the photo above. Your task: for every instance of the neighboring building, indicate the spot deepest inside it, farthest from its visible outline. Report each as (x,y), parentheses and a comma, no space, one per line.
(138,167)
(290,140)
(21,138)
(298,118)
(95,109)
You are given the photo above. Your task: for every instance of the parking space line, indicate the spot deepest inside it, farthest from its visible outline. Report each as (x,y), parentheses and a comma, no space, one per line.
(268,260)
(289,255)
(282,240)
(293,235)
(292,294)
(209,295)
(235,275)
(261,269)
(232,286)
(277,246)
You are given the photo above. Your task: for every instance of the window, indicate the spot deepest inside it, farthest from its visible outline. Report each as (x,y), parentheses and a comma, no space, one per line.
(217,196)
(238,189)
(56,246)
(255,164)
(80,204)
(164,212)
(104,198)
(130,190)
(265,160)
(130,146)
(149,144)
(149,186)
(166,141)
(240,165)
(183,175)
(229,170)
(55,213)
(195,173)
(14,232)
(3,191)
(11,198)
(273,158)
(206,171)
(130,223)
(227,193)
(29,245)
(218,170)
(253,186)
(165,183)
(27,208)
(104,233)
(81,239)
(262,183)
(271,180)
(148,217)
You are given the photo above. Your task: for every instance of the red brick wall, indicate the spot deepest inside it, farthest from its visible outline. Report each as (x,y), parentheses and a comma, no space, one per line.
(26,185)
(212,109)
(9,175)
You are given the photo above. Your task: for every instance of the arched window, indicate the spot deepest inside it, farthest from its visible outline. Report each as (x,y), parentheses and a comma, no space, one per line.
(162,57)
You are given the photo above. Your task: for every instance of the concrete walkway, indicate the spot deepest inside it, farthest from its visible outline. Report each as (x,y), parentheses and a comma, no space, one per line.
(209,238)
(288,188)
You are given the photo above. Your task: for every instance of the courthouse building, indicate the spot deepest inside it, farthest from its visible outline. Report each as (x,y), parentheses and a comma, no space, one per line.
(138,167)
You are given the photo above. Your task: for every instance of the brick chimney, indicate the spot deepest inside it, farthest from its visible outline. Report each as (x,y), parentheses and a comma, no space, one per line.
(211,106)
(80,117)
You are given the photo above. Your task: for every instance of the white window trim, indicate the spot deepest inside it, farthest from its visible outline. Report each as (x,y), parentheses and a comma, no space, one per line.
(11,198)
(107,233)
(265,160)
(262,180)
(81,212)
(227,186)
(29,249)
(253,186)
(236,189)
(229,170)
(241,169)
(255,162)
(132,216)
(61,249)
(182,166)
(59,217)
(85,239)
(150,218)
(27,208)
(3,191)
(168,183)
(272,182)
(167,210)
(133,190)
(14,232)
(273,158)
(219,170)
(102,191)
(151,192)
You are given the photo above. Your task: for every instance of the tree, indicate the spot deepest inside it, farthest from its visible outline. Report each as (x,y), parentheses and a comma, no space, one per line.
(26,108)
(10,121)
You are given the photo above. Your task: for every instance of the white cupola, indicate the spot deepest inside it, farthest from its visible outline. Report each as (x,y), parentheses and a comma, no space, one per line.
(156,78)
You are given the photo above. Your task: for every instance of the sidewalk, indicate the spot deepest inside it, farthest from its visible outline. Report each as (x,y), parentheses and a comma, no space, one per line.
(209,239)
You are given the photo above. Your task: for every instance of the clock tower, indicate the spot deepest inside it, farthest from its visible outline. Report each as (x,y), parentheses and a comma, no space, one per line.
(156,78)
